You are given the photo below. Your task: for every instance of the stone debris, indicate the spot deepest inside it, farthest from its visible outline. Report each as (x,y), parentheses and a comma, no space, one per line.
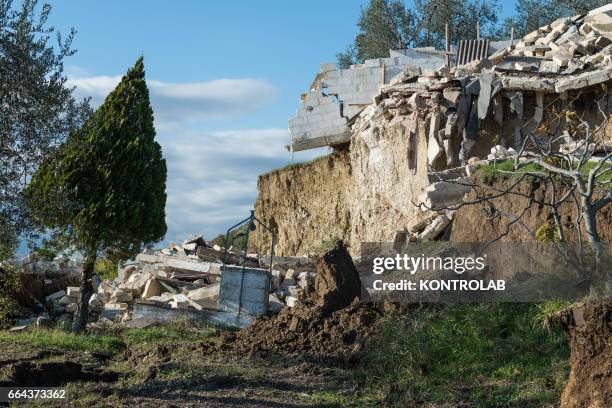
(181,276)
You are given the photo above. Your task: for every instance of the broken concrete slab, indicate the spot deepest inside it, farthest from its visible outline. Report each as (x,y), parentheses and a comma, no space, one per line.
(180,264)
(444,194)
(165,314)
(210,292)
(583,80)
(152,288)
(55,296)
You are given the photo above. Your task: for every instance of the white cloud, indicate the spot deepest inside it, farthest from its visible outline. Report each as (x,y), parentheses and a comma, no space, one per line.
(192,101)
(212,176)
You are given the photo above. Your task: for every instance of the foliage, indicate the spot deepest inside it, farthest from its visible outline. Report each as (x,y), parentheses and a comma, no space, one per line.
(112,192)
(547,311)
(106,187)
(106,269)
(547,232)
(113,341)
(237,238)
(532,14)
(461,17)
(383,25)
(10,285)
(482,355)
(37,108)
(389,24)
(50,246)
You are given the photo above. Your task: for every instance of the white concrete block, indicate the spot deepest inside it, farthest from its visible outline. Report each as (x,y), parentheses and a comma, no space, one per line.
(328,66)
(373,62)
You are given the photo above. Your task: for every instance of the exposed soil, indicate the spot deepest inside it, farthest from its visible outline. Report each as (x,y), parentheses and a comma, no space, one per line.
(471,225)
(52,374)
(308,330)
(589,327)
(337,283)
(329,322)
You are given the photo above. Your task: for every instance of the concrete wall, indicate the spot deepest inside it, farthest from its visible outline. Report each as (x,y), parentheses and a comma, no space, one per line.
(319,120)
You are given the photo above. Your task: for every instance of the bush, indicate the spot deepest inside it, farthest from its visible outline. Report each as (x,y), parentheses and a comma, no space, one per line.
(106,269)
(10,287)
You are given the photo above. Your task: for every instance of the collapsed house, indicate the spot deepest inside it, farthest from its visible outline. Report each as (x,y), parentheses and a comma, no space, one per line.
(402,126)
(194,280)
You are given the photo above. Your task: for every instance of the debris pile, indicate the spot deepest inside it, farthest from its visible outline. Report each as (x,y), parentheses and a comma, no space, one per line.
(183,276)
(565,46)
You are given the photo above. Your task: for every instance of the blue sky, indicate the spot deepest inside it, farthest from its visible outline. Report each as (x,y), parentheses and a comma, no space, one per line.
(224,78)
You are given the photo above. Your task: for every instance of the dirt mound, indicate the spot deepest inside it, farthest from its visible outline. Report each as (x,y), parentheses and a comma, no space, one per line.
(329,320)
(337,283)
(52,374)
(307,329)
(589,327)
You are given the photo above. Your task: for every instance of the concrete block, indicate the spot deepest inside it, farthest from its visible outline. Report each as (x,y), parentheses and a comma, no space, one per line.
(210,292)
(292,301)
(152,288)
(55,296)
(73,291)
(274,304)
(116,306)
(121,297)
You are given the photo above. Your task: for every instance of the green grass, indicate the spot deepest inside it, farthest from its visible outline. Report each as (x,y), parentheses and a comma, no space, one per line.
(486,355)
(177,332)
(111,342)
(489,171)
(296,165)
(64,340)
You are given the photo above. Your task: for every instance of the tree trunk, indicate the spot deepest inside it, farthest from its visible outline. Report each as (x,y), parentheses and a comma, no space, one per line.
(80,317)
(602,276)
(590,225)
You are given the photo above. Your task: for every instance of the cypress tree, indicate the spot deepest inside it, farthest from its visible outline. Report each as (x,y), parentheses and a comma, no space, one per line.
(107,184)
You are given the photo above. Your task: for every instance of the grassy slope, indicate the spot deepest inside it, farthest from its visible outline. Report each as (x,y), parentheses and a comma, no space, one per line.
(484,355)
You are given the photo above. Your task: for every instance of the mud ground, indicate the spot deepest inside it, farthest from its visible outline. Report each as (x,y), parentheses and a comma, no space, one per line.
(175,376)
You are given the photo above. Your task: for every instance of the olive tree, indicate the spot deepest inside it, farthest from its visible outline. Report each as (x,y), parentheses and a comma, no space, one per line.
(37,106)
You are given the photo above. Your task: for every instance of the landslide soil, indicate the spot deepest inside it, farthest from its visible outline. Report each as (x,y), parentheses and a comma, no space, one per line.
(589,328)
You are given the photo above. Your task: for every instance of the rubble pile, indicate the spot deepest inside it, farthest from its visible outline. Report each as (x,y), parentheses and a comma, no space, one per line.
(565,46)
(183,276)
(450,109)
